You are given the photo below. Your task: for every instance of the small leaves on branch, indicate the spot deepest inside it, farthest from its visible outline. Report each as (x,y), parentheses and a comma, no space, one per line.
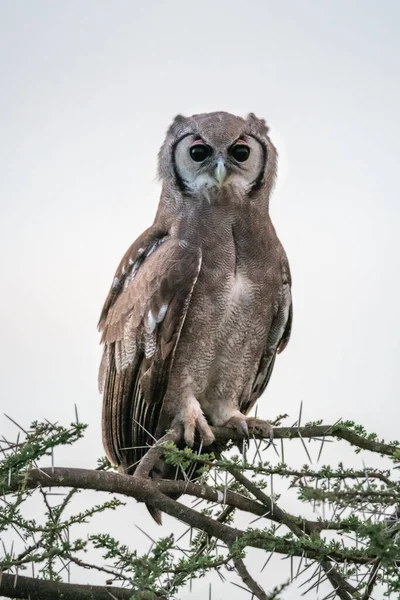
(359,507)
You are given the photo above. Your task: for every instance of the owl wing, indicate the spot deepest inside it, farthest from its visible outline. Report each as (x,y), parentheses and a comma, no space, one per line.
(141,323)
(278,337)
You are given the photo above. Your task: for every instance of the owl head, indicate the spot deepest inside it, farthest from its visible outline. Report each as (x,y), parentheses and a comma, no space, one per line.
(205,154)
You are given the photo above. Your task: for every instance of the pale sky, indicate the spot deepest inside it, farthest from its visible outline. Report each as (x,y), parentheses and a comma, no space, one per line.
(88,91)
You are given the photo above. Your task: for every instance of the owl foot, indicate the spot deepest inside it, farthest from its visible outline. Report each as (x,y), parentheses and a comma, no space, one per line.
(247,425)
(190,419)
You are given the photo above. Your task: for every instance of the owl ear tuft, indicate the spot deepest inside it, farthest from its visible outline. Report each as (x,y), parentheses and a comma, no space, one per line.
(176,124)
(179,119)
(260,122)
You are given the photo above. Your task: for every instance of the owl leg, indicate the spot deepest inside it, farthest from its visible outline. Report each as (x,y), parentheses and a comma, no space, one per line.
(190,418)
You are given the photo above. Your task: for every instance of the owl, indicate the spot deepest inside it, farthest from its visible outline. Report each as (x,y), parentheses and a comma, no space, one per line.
(200,304)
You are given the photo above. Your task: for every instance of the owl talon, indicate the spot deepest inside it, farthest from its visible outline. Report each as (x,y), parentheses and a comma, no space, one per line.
(247,425)
(239,422)
(264,427)
(244,428)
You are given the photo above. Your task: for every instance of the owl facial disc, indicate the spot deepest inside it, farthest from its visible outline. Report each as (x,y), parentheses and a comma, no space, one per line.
(218,156)
(203,164)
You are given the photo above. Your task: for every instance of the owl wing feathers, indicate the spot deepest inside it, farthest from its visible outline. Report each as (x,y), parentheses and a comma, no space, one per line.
(278,337)
(141,323)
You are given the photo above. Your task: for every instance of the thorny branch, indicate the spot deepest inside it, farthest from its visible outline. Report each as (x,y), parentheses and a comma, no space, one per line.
(151,492)
(372,491)
(339,430)
(343,588)
(13,586)
(248,580)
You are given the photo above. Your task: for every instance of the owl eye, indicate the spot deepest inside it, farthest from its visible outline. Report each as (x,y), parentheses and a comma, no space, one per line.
(200,152)
(240,152)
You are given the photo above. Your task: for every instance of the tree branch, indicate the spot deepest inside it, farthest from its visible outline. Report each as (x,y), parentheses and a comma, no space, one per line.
(13,586)
(225,434)
(156,493)
(232,499)
(343,589)
(248,580)
(154,453)
(147,490)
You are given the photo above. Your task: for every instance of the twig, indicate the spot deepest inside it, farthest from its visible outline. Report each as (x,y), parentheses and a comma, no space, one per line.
(85,565)
(248,579)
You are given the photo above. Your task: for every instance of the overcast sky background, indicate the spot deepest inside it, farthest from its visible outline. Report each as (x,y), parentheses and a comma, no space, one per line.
(88,91)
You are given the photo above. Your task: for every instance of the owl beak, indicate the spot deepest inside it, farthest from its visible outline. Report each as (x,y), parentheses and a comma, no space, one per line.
(220,171)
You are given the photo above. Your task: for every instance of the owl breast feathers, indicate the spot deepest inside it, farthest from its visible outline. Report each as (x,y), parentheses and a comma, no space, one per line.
(200,304)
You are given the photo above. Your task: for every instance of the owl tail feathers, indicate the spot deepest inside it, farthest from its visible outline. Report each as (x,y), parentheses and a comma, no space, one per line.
(155,513)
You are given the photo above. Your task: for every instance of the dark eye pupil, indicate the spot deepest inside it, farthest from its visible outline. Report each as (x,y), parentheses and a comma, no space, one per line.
(240,152)
(199,152)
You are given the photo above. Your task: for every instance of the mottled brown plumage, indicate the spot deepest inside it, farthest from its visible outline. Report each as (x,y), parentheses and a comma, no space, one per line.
(201,303)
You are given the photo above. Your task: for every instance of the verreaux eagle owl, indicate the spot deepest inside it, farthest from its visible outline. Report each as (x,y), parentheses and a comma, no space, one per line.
(201,302)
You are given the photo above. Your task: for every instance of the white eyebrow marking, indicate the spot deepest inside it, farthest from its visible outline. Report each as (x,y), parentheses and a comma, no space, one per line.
(123,270)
